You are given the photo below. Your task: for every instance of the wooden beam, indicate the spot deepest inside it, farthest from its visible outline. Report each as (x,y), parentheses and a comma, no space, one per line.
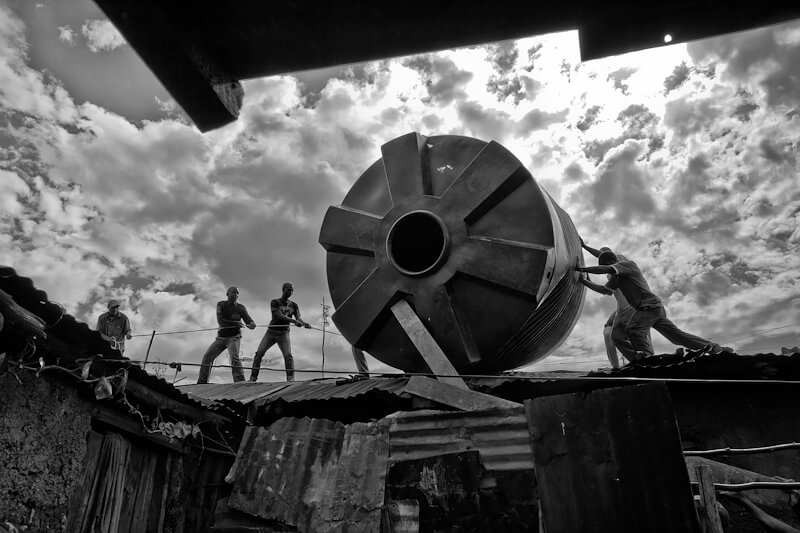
(133,427)
(725,473)
(157,399)
(207,92)
(707,508)
(435,358)
(447,394)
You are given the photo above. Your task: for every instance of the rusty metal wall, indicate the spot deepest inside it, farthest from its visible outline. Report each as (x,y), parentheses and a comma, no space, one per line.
(611,460)
(314,474)
(499,435)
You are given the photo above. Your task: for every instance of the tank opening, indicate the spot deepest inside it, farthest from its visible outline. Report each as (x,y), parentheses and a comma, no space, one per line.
(417,243)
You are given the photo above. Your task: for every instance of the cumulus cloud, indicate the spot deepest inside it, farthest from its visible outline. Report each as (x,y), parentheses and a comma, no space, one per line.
(484,123)
(536,119)
(164,218)
(101,35)
(688,115)
(621,184)
(678,77)
(769,60)
(444,80)
(620,76)
(66,34)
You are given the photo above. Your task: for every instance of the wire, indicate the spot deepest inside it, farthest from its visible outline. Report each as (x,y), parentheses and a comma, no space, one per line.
(753,333)
(510,377)
(229,327)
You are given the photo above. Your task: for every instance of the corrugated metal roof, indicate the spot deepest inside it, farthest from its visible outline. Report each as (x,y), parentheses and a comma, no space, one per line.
(242,392)
(68,339)
(299,391)
(500,436)
(314,474)
(65,334)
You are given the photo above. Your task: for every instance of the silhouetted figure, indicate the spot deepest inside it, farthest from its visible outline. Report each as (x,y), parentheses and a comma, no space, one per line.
(648,311)
(361,362)
(284,313)
(230,315)
(114,326)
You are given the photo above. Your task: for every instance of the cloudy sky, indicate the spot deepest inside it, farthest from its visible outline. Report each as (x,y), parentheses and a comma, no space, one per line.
(684,157)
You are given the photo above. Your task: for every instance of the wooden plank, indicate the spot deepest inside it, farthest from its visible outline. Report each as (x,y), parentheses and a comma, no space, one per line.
(84,492)
(725,473)
(447,394)
(435,358)
(155,521)
(158,399)
(610,460)
(130,479)
(707,506)
(134,427)
(143,495)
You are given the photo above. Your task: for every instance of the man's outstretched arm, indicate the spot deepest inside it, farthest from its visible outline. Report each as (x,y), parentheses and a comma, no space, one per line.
(602,289)
(594,251)
(300,321)
(599,269)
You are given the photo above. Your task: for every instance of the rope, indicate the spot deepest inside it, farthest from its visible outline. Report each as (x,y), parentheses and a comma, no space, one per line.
(737,336)
(228,327)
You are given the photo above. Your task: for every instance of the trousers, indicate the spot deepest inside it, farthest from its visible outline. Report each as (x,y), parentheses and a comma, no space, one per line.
(216,348)
(635,334)
(285,345)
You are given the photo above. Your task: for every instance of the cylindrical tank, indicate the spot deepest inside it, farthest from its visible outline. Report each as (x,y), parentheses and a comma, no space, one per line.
(459,228)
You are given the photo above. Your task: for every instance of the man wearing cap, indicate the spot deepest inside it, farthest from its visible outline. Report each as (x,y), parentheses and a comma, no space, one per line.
(114,326)
(284,313)
(648,311)
(231,316)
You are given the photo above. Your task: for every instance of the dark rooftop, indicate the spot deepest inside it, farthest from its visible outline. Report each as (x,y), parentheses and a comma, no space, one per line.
(201,49)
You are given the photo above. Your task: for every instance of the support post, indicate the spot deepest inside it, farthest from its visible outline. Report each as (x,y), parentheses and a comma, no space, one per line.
(447,394)
(147,355)
(426,345)
(707,511)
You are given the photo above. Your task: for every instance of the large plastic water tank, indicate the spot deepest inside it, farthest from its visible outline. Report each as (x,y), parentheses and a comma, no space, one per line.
(459,228)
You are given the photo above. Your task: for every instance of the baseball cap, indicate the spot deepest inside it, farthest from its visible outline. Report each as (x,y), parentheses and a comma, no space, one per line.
(113,303)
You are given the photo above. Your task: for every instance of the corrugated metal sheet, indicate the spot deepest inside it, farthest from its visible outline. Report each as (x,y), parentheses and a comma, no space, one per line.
(299,391)
(242,392)
(314,474)
(331,390)
(499,435)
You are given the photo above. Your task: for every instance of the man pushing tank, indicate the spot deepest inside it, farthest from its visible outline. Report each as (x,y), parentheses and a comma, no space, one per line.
(633,335)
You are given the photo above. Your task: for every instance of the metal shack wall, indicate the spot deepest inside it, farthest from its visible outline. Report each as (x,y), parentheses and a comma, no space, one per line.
(499,435)
(314,474)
